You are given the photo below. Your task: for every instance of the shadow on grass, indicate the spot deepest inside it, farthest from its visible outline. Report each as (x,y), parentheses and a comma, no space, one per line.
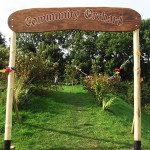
(91,148)
(59,100)
(123,145)
(122,109)
(76,99)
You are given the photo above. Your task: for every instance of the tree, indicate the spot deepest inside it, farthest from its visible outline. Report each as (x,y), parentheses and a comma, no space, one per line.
(52,49)
(2,39)
(82,48)
(145,48)
(4,57)
(70,74)
(29,41)
(90,51)
(46,47)
(114,49)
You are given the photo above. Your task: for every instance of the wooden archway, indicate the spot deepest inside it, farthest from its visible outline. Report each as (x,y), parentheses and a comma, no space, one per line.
(88,18)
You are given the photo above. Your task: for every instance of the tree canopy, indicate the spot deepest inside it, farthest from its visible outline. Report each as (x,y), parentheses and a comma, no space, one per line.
(93,52)
(2,39)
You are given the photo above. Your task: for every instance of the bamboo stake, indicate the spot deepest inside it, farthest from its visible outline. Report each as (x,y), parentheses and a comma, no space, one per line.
(10,88)
(137,92)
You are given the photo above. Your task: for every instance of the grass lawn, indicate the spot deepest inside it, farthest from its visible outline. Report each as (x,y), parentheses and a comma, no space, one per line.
(71,120)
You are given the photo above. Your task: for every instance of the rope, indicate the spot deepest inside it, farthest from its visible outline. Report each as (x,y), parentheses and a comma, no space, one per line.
(78,69)
(118,70)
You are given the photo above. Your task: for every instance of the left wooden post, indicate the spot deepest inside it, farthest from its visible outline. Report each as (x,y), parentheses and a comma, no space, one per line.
(10,90)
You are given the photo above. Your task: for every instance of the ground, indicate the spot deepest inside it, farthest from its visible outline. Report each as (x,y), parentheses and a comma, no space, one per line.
(70,119)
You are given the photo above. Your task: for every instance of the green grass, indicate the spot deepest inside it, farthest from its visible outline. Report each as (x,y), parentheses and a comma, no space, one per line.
(71,120)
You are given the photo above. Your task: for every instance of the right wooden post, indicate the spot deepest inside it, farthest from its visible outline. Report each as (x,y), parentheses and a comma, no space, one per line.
(137,91)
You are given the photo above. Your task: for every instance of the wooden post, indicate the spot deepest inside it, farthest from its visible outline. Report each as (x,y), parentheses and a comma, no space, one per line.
(137,92)
(10,90)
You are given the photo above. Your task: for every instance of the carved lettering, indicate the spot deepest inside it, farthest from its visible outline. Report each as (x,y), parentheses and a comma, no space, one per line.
(29,21)
(71,14)
(102,16)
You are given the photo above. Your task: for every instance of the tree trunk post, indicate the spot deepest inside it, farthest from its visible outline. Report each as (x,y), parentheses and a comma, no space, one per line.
(137,91)
(10,90)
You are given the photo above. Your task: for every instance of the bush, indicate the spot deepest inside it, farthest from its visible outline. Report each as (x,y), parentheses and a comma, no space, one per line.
(130,93)
(145,94)
(22,92)
(108,102)
(88,82)
(101,87)
(3,93)
(32,67)
(4,57)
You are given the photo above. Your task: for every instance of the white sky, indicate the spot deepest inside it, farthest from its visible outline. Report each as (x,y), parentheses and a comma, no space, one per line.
(9,6)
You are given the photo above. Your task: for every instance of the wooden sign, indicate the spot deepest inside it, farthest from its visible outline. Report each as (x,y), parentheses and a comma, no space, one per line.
(88,18)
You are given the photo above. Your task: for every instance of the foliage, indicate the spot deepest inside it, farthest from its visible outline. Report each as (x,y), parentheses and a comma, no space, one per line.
(82,48)
(4,55)
(107,103)
(70,74)
(53,55)
(101,87)
(88,82)
(40,55)
(22,92)
(95,66)
(32,67)
(145,48)
(145,94)
(29,41)
(111,47)
(2,39)
(93,52)
(3,93)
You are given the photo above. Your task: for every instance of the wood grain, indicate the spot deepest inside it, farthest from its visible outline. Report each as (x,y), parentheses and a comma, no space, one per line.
(88,18)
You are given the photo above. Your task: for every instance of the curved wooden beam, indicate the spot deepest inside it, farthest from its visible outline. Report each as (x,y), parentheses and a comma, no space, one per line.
(88,18)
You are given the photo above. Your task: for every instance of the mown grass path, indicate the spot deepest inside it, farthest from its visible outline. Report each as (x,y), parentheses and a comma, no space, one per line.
(70,120)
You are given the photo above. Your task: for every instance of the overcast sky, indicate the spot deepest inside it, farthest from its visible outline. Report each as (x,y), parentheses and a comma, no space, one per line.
(9,6)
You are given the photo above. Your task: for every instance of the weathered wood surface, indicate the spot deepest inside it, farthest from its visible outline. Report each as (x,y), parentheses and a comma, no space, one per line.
(88,18)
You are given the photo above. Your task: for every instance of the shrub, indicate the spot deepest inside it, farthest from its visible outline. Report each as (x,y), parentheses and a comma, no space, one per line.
(3,93)
(130,93)
(88,82)
(22,92)
(145,94)
(101,87)
(32,67)
(108,102)
(4,57)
